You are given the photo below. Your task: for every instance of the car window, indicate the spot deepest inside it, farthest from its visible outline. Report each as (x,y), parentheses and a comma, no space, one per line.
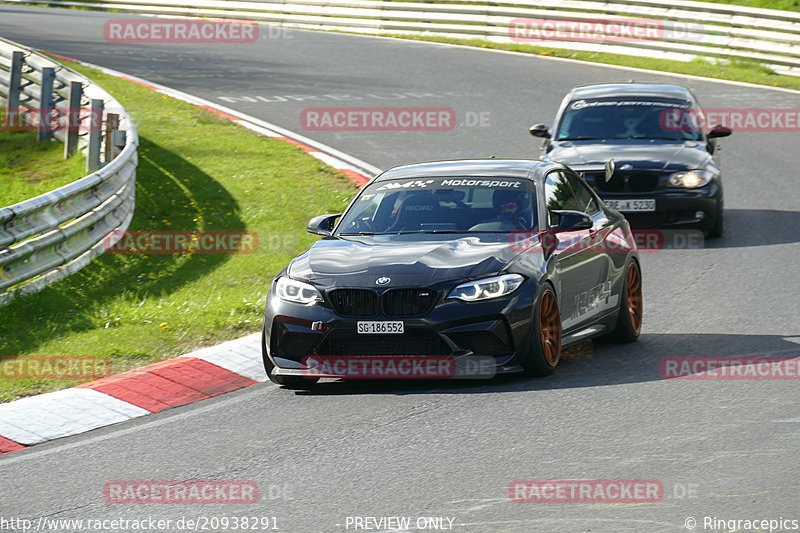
(585,199)
(631,117)
(439,205)
(558,195)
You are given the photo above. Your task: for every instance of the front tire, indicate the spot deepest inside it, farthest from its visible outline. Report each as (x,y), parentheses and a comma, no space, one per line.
(718,226)
(545,349)
(631,309)
(289,382)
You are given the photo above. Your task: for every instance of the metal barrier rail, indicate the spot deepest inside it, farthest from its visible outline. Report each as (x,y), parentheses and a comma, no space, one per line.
(53,235)
(688,29)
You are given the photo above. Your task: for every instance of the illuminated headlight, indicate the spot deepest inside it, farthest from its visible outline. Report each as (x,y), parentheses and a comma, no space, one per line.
(297,292)
(485,289)
(691,179)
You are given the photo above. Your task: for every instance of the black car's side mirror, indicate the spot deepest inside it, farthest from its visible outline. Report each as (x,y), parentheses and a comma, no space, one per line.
(322,225)
(540,130)
(569,220)
(719,131)
(608,171)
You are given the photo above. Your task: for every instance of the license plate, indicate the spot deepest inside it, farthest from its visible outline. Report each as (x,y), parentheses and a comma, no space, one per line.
(381,327)
(631,205)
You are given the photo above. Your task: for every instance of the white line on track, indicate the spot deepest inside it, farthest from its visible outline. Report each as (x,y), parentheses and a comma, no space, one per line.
(34,453)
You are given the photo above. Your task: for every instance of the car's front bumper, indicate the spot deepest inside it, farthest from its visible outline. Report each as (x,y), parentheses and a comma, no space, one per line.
(480,339)
(675,208)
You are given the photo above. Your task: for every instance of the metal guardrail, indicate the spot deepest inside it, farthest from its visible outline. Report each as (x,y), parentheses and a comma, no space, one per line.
(53,235)
(689,29)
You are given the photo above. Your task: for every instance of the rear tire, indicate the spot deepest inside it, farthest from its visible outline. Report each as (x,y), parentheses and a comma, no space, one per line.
(545,349)
(289,382)
(631,309)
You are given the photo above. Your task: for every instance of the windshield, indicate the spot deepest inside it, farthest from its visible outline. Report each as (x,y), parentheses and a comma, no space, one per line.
(442,205)
(632,118)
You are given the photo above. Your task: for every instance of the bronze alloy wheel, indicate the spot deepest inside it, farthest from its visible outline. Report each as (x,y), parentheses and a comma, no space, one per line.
(550,327)
(634,289)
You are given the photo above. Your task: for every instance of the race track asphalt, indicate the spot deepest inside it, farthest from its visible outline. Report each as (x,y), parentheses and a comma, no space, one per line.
(417,449)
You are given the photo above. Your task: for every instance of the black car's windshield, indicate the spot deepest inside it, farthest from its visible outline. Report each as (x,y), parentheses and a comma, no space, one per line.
(629,118)
(442,205)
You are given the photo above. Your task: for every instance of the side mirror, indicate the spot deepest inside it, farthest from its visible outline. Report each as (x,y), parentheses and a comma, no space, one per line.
(609,169)
(569,220)
(540,130)
(322,225)
(719,131)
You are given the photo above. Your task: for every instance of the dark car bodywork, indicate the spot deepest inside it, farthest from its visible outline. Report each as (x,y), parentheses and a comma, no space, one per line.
(646,149)
(579,264)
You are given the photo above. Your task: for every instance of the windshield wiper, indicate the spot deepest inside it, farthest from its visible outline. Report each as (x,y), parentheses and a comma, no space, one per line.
(657,138)
(583,139)
(428,231)
(399,232)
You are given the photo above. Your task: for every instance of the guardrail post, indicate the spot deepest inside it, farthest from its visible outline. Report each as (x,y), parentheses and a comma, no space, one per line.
(15,80)
(13,116)
(73,118)
(46,104)
(95,136)
(118,140)
(112,124)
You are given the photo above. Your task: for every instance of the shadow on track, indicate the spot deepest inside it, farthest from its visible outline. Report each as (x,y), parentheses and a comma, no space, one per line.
(757,227)
(609,364)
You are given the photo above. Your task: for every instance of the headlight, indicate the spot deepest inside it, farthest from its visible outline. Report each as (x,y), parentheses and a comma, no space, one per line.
(297,292)
(691,179)
(485,289)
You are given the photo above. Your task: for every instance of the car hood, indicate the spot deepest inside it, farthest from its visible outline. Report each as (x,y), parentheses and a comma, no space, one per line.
(409,260)
(640,154)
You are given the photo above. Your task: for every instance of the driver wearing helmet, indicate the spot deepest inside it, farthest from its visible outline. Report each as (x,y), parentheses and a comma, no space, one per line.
(514,206)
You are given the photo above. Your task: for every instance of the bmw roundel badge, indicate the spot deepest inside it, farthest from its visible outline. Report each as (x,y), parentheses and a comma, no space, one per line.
(383,280)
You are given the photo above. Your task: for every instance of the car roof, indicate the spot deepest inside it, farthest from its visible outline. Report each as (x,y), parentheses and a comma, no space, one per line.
(511,168)
(601,90)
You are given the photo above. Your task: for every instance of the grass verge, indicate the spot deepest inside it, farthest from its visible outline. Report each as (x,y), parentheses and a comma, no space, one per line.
(29,168)
(196,171)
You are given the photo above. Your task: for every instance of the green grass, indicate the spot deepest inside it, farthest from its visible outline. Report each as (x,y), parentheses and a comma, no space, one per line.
(735,69)
(784,5)
(29,168)
(196,171)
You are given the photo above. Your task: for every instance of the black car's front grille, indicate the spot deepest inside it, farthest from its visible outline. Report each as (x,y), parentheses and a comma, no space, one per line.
(354,302)
(615,184)
(408,302)
(643,182)
(408,343)
(394,302)
(633,182)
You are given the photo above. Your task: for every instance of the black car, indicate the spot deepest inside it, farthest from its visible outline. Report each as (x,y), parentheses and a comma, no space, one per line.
(509,261)
(667,175)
